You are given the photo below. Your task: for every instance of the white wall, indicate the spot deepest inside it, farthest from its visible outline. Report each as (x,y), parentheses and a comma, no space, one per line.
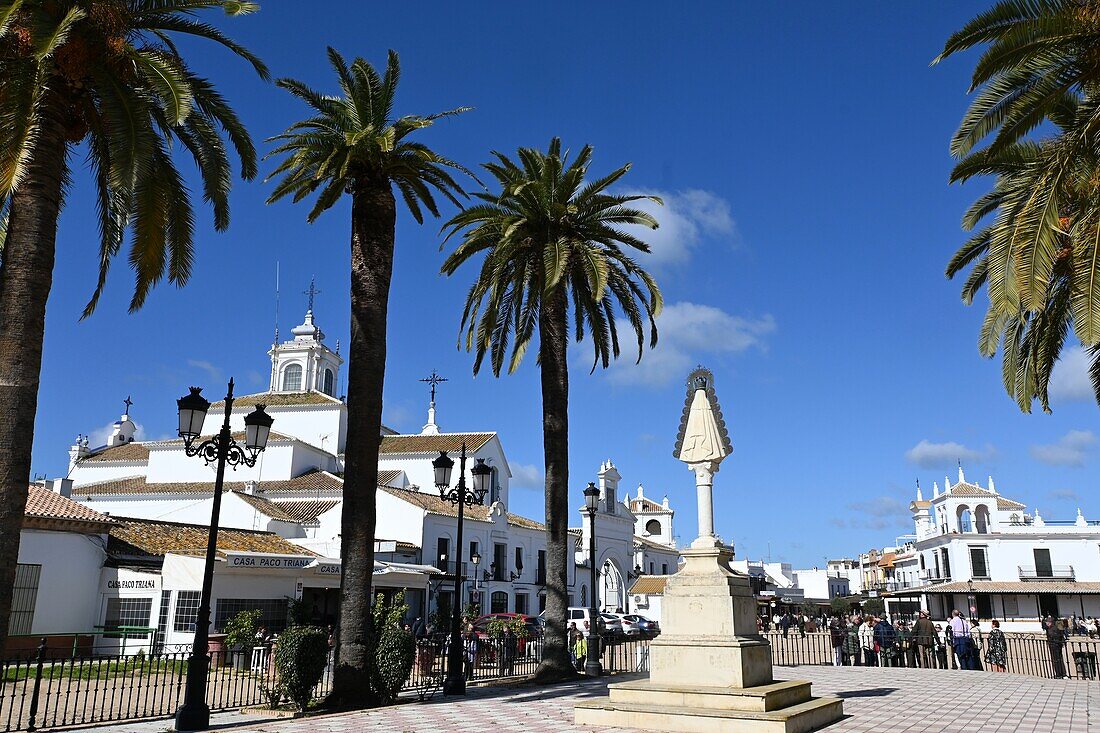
(68,596)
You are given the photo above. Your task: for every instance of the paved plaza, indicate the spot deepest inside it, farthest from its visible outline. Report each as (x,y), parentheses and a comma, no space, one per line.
(895,700)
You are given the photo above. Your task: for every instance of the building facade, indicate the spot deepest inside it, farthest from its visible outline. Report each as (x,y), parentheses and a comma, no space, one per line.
(295,490)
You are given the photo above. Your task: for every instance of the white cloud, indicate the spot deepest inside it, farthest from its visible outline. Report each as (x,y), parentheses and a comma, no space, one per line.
(1069,382)
(212,372)
(927,454)
(1064,495)
(877,513)
(689,333)
(1070,450)
(526,476)
(98,437)
(685,219)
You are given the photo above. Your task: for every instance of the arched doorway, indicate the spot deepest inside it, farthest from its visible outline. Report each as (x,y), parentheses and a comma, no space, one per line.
(612,589)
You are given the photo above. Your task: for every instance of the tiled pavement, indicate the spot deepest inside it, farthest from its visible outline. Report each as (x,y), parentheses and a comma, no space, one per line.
(895,700)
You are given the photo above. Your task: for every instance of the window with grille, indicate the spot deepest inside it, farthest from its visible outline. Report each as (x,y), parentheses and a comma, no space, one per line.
(187,610)
(292,378)
(272,611)
(25,595)
(330,383)
(1011,606)
(127,612)
(979,565)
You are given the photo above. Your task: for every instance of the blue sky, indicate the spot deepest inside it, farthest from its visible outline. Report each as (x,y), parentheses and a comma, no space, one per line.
(802,152)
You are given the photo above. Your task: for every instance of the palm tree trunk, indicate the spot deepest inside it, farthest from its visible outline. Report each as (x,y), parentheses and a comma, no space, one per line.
(555,436)
(26,275)
(373,215)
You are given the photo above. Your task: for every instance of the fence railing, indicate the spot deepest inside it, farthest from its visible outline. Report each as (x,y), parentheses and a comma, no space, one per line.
(53,688)
(1028,654)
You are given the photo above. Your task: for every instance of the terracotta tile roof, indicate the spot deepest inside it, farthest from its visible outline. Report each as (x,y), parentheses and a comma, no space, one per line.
(128,452)
(45,504)
(1008,504)
(1028,587)
(649,585)
(279,399)
(432,504)
(152,538)
(288,511)
(887,560)
(385,478)
(645,504)
(519,521)
(433,443)
(968,489)
(919,504)
(310,481)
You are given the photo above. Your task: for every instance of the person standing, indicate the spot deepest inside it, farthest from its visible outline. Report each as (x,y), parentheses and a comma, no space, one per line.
(836,636)
(960,639)
(996,655)
(1056,642)
(924,640)
(785,623)
(943,647)
(976,645)
(851,644)
(867,642)
(886,637)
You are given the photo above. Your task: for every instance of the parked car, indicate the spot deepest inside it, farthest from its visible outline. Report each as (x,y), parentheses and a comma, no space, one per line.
(612,625)
(578,616)
(648,627)
(628,623)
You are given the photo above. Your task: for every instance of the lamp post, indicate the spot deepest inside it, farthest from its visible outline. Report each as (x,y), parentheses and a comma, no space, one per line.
(460,496)
(222,449)
(971,603)
(592,666)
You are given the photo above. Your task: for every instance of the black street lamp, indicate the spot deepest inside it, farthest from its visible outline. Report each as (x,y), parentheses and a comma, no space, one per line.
(194,713)
(592,666)
(455,683)
(475,558)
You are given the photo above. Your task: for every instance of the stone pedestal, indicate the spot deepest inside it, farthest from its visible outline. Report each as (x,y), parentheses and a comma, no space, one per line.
(710,670)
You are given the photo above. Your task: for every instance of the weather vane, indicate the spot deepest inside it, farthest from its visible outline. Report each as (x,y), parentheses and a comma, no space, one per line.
(433,379)
(128,403)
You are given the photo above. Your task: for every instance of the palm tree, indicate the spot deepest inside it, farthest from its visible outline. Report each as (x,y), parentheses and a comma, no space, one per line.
(106,74)
(1039,258)
(553,243)
(353,145)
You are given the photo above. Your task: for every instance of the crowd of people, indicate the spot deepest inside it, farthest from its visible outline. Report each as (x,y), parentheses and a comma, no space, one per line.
(872,640)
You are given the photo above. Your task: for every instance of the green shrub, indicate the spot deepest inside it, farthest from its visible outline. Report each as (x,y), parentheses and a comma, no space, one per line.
(840,605)
(301,655)
(240,631)
(497,627)
(395,648)
(873,607)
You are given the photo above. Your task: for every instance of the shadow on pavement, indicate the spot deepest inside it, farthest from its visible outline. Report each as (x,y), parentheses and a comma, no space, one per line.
(870,692)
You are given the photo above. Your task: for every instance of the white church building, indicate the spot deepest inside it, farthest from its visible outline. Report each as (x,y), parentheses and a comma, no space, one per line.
(294,492)
(988,556)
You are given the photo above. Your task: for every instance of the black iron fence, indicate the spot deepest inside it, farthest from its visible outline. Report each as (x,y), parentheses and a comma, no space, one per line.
(55,688)
(52,690)
(1029,654)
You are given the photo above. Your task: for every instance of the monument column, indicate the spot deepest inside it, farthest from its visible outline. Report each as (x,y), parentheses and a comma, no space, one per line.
(710,669)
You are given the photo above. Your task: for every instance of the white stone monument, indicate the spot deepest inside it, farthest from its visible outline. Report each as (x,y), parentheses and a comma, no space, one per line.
(710,669)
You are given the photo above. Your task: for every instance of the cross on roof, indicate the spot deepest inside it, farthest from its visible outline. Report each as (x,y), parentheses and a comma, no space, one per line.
(433,379)
(311,292)
(127,402)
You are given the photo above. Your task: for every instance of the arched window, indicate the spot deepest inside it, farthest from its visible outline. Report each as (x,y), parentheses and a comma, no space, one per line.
(292,378)
(498,602)
(981,519)
(330,383)
(653,526)
(584,596)
(966,523)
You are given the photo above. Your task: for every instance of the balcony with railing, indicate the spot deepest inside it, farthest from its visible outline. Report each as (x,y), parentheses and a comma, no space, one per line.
(1052,572)
(934,576)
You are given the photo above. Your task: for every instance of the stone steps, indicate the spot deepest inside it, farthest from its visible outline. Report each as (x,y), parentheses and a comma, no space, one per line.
(801,718)
(762,698)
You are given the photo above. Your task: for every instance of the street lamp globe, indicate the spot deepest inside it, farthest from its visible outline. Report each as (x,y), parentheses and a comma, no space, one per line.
(481,474)
(443,466)
(475,559)
(591,497)
(192,409)
(257,429)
